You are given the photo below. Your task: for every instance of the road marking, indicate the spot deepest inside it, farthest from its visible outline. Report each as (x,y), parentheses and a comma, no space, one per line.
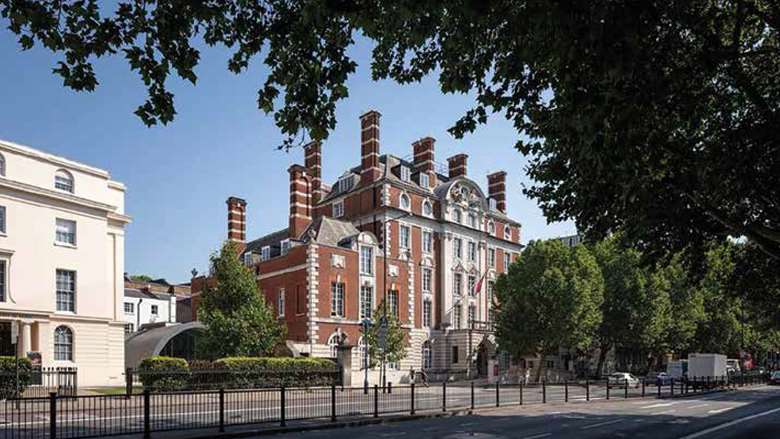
(697,406)
(729,424)
(725,409)
(663,412)
(538,436)
(601,424)
(655,406)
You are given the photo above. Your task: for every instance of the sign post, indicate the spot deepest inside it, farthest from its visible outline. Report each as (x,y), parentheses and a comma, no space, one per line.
(15,343)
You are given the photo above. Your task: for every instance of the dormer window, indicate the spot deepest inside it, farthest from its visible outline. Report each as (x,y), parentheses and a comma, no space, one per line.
(285,246)
(63,181)
(457,216)
(405,202)
(265,253)
(427,208)
(338,209)
(492,203)
(345,183)
(406,174)
(425,180)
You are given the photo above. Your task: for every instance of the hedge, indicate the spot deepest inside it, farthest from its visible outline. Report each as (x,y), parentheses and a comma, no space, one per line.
(8,376)
(258,372)
(164,373)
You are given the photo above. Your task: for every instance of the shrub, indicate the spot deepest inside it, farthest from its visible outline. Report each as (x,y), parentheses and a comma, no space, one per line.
(205,375)
(164,373)
(8,376)
(256,372)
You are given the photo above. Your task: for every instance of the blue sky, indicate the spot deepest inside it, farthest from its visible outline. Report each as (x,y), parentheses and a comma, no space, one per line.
(179,176)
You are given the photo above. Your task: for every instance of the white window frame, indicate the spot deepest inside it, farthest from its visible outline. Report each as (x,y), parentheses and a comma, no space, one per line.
(338,209)
(2,221)
(155,310)
(63,236)
(473,221)
(68,347)
(507,261)
(366,260)
(457,248)
(425,180)
(507,233)
(405,236)
(406,173)
(4,275)
(457,284)
(472,251)
(427,315)
(404,201)
(129,328)
(427,356)
(333,345)
(427,208)
(457,216)
(491,228)
(285,246)
(472,314)
(366,301)
(265,253)
(337,299)
(427,280)
(457,316)
(64,181)
(280,302)
(472,283)
(427,241)
(491,257)
(61,293)
(393,299)
(131,307)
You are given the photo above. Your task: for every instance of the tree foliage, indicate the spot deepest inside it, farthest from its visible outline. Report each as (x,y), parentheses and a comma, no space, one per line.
(396,341)
(656,117)
(238,321)
(550,298)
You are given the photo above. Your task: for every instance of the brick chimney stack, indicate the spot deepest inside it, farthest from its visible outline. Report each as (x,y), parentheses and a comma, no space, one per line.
(497,189)
(458,165)
(313,162)
(237,222)
(423,155)
(369,147)
(300,200)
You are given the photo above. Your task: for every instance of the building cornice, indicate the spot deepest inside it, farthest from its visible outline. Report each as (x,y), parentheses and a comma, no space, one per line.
(62,196)
(60,161)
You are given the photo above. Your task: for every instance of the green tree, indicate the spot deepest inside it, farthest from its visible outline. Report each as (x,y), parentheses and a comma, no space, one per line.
(656,117)
(238,321)
(635,315)
(396,341)
(550,298)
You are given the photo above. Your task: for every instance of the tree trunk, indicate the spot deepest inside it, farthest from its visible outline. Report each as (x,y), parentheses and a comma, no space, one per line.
(603,349)
(541,367)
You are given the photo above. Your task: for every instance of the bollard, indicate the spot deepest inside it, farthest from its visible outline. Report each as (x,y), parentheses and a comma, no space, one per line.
(333,403)
(283,422)
(544,392)
(221,410)
(607,389)
(587,389)
(565,390)
(412,411)
(53,416)
(497,390)
(129,382)
(472,395)
(389,387)
(671,387)
(626,390)
(376,401)
(658,388)
(444,396)
(147,420)
(643,387)
(521,393)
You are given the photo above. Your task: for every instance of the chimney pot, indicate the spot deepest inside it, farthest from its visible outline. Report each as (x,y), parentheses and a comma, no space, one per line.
(236,219)
(458,165)
(369,147)
(300,200)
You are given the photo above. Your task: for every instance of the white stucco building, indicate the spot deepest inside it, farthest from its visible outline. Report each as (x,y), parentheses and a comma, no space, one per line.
(62,226)
(149,303)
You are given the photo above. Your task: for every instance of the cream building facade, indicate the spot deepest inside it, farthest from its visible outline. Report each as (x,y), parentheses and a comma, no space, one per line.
(62,233)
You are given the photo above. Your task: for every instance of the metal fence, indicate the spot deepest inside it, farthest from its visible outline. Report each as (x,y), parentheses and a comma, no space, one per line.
(148,412)
(44,380)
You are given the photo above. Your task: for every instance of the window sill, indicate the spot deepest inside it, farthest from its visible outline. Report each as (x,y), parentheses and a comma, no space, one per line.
(3,235)
(65,245)
(65,313)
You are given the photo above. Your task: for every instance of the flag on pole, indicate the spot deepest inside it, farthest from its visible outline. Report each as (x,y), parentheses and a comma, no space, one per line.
(478,285)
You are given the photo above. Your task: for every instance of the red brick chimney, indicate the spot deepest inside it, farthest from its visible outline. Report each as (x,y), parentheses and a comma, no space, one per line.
(237,221)
(497,189)
(369,147)
(313,162)
(458,165)
(423,155)
(300,200)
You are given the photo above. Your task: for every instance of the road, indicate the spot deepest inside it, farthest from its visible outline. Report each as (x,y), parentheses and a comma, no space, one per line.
(753,413)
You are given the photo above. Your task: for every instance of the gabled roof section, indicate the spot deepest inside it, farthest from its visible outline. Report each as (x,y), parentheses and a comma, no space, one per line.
(270,240)
(328,231)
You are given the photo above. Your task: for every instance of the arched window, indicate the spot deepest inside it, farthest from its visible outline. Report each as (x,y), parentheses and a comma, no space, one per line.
(507,233)
(406,202)
(457,216)
(63,181)
(362,352)
(427,208)
(427,355)
(333,345)
(491,228)
(2,165)
(63,344)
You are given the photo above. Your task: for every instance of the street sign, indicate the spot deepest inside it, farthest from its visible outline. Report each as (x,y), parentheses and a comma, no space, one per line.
(382,335)
(14,332)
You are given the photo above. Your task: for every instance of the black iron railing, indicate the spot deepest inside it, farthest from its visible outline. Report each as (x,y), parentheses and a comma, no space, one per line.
(42,381)
(151,412)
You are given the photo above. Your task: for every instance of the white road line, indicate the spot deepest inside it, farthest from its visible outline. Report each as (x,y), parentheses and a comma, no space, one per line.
(716,411)
(538,436)
(697,406)
(729,424)
(655,406)
(665,412)
(601,424)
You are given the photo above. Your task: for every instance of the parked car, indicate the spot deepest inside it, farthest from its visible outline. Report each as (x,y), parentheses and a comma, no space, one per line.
(775,377)
(662,379)
(620,378)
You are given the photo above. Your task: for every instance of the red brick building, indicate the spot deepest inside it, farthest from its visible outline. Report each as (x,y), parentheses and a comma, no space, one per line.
(446,242)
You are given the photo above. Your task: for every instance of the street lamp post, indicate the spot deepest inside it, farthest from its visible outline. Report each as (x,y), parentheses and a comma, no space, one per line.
(366,325)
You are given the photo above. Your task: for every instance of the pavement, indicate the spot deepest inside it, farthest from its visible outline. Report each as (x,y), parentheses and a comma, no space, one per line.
(746,413)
